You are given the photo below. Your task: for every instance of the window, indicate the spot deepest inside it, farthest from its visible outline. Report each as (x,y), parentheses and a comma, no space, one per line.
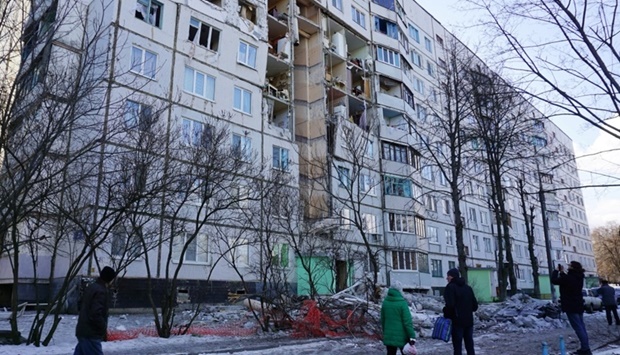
(358,17)
(436,270)
(143,62)
(388,56)
(195,248)
(404,260)
(484,218)
(344,177)
(396,186)
(471,214)
(439,40)
(401,223)
(427,173)
(430,68)
(280,158)
(242,147)
(428,44)
(476,243)
(138,115)
(519,251)
(431,203)
(414,33)
(124,245)
(337,4)
(420,228)
(386,27)
(239,250)
(345,218)
(199,83)
(247,54)
(203,34)
(279,255)
(149,11)
(400,153)
(442,179)
(446,206)
(369,223)
(421,111)
(367,184)
(418,85)
(449,237)
(195,133)
(487,245)
(451,264)
(408,97)
(416,58)
(431,233)
(242,100)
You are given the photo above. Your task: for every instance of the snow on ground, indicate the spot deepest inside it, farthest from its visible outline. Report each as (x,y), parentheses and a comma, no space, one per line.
(515,327)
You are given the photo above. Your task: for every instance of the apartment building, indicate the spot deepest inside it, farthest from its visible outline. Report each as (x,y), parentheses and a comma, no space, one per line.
(328,90)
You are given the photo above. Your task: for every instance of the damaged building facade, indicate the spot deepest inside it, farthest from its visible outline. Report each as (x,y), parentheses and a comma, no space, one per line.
(330,91)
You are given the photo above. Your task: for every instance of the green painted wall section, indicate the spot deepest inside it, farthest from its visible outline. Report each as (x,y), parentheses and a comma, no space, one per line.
(480,282)
(322,275)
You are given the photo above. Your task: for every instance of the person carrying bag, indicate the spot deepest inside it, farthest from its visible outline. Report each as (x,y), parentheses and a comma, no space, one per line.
(397,325)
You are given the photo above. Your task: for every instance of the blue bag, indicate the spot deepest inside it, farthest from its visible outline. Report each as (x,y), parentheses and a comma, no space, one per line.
(442,329)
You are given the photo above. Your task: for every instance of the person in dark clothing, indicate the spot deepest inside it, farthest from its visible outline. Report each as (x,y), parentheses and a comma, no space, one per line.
(571,285)
(396,322)
(608,295)
(461,303)
(92,325)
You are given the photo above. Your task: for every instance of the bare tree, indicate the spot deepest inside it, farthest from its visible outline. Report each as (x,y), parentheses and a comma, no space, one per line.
(574,62)
(503,126)
(606,241)
(527,212)
(443,138)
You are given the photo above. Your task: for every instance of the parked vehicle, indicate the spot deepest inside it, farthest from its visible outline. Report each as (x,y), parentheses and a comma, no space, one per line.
(591,302)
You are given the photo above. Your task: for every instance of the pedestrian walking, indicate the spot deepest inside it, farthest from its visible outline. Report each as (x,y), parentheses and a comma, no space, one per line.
(461,303)
(608,295)
(92,325)
(571,297)
(396,322)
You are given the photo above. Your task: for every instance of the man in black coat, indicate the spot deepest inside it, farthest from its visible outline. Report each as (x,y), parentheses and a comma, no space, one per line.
(571,298)
(461,303)
(608,295)
(92,325)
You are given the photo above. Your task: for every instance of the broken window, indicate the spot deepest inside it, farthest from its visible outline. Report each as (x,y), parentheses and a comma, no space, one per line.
(247,11)
(149,11)
(386,27)
(203,34)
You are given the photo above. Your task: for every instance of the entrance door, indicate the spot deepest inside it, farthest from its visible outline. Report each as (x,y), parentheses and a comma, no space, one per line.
(342,275)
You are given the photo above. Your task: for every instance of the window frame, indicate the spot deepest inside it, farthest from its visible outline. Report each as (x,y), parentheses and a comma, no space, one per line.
(195,81)
(385,54)
(142,64)
(202,249)
(198,35)
(358,16)
(244,95)
(248,51)
(148,6)
(281,154)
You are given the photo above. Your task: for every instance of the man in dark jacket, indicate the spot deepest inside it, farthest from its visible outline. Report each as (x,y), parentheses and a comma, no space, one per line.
(92,325)
(461,303)
(571,298)
(396,322)
(608,295)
